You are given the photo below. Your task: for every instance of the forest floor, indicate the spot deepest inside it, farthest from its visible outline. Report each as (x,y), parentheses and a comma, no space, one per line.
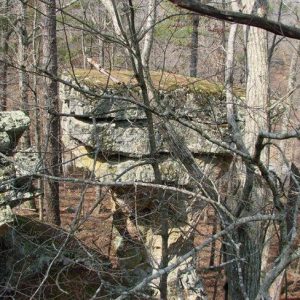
(96,233)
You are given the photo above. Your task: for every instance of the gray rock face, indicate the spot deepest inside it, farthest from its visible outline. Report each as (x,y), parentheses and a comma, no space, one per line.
(111,138)
(4,142)
(116,129)
(108,106)
(117,103)
(13,122)
(12,125)
(6,215)
(132,140)
(27,162)
(131,170)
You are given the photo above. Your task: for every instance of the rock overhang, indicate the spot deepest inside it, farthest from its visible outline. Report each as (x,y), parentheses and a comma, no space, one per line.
(114,124)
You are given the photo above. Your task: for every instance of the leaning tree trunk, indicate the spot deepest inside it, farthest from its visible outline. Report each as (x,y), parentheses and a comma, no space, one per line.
(52,142)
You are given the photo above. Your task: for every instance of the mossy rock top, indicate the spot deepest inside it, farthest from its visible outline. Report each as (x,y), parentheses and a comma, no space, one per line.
(164,81)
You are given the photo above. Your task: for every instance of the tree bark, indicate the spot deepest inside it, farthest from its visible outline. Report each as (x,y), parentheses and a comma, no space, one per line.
(288,104)
(39,124)
(257,85)
(23,63)
(24,79)
(194,46)
(149,28)
(246,243)
(52,142)
(4,36)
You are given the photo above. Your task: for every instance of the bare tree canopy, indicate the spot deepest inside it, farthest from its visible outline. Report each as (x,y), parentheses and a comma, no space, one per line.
(275,27)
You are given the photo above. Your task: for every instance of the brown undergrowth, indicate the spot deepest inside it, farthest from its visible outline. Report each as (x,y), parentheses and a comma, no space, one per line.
(95,233)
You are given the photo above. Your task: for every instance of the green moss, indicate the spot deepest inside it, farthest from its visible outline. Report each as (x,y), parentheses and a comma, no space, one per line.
(162,81)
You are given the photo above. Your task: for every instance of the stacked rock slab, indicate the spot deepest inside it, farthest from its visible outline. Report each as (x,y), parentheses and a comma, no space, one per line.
(12,125)
(105,132)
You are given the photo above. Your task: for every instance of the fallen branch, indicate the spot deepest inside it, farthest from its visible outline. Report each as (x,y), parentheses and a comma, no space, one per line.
(102,70)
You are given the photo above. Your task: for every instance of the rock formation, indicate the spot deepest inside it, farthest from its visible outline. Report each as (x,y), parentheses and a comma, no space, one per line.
(108,136)
(28,246)
(12,125)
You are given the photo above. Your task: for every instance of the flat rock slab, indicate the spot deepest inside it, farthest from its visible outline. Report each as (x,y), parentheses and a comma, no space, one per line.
(140,170)
(132,139)
(182,96)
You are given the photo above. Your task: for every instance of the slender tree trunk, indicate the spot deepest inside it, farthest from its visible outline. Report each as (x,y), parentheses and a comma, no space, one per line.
(194,46)
(24,80)
(223,45)
(83,48)
(52,161)
(148,95)
(102,19)
(38,128)
(23,63)
(4,36)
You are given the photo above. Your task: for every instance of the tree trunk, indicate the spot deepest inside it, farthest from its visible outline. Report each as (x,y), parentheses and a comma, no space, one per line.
(223,46)
(246,243)
(4,36)
(288,105)
(38,126)
(194,46)
(141,63)
(24,80)
(257,80)
(101,42)
(23,63)
(52,137)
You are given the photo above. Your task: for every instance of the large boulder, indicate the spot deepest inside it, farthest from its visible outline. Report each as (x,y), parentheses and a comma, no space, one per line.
(108,136)
(12,125)
(113,126)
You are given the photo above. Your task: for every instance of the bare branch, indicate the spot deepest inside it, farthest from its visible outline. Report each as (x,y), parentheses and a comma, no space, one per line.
(183,258)
(239,17)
